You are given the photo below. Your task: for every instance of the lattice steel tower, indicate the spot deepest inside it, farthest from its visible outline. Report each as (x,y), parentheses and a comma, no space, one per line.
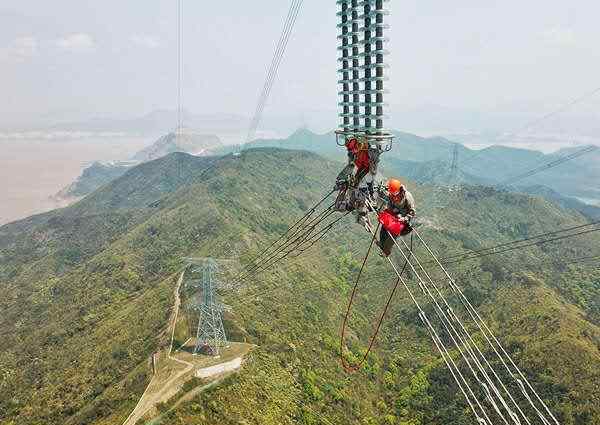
(454,164)
(453,177)
(210,333)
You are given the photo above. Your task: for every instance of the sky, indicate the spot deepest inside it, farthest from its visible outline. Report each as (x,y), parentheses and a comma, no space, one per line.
(465,64)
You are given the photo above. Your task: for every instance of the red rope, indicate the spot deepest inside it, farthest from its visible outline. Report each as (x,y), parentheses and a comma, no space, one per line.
(347,367)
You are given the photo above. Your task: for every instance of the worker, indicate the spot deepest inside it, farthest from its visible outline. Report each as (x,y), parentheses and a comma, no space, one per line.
(363,160)
(399,209)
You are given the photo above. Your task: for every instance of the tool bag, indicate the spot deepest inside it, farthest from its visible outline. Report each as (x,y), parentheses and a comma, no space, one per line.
(393,224)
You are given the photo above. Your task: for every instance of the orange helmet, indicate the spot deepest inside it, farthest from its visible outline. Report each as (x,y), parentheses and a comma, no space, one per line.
(394,186)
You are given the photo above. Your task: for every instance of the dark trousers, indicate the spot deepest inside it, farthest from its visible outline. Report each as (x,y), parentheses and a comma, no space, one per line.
(386,243)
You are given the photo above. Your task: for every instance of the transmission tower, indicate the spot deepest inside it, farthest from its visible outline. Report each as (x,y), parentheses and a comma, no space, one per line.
(454,165)
(453,181)
(210,333)
(447,182)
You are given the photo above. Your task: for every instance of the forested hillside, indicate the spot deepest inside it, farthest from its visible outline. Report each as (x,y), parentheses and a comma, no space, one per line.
(85,293)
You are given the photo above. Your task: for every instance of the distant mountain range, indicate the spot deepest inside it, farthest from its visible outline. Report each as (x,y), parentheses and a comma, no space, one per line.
(92,177)
(99,174)
(421,159)
(491,165)
(152,123)
(428,161)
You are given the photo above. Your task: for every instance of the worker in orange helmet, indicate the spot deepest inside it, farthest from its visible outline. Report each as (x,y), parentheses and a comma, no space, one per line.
(395,218)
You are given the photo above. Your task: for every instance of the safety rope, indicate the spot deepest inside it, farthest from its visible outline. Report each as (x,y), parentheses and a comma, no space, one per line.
(347,367)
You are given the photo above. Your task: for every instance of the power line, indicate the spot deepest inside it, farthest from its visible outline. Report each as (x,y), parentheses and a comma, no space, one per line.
(463,383)
(549,165)
(288,26)
(538,120)
(291,245)
(301,233)
(291,231)
(319,236)
(274,67)
(566,158)
(542,242)
(518,241)
(179,63)
(584,261)
(571,261)
(277,62)
(558,111)
(516,374)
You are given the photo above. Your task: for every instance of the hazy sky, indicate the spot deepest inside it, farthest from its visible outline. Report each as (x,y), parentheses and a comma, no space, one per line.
(66,59)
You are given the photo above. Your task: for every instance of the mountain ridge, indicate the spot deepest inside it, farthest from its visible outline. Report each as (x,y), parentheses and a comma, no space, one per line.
(99,275)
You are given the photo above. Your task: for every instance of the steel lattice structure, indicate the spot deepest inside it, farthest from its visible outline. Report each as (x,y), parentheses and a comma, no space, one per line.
(210,332)
(362,69)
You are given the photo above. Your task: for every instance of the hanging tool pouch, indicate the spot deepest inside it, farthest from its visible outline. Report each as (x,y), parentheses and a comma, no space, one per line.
(393,224)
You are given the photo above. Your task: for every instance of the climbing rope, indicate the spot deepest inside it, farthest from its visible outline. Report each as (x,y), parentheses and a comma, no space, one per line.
(353,368)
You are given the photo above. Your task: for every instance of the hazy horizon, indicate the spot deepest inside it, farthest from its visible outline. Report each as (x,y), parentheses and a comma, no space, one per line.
(67,62)
(86,72)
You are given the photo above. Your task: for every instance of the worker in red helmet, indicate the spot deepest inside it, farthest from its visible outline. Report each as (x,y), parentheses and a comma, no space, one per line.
(395,218)
(358,162)
(363,160)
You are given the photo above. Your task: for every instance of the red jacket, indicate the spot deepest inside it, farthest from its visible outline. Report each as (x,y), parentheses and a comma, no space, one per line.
(360,153)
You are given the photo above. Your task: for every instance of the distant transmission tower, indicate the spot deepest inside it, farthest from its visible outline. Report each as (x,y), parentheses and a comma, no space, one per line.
(454,164)
(210,333)
(453,180)
(447,182)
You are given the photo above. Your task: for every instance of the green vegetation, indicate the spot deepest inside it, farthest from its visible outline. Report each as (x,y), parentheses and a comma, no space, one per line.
(86,292)
(93,177)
